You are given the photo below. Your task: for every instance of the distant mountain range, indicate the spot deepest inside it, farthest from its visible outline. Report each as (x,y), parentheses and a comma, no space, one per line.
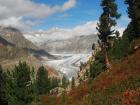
(78,44)
(62,41)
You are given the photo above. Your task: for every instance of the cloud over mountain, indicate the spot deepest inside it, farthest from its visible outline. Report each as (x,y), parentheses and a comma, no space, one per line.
(63,33)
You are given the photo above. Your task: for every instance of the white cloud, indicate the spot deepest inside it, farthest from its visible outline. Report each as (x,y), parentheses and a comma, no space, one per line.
(16,9)
(122,24)
(86,29)
(18,23)
(69,4)
(14,22)
(121,30)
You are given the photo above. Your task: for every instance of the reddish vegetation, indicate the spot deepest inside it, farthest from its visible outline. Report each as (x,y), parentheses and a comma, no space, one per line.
(120,72)
(52,72)
(131,97)
(79,92)
(1,45)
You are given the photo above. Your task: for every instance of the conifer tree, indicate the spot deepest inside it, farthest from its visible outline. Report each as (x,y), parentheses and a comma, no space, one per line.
(43,83)
(65,82)
(73,83)
(34,87)
(19,85)
(3,87)
(106,22)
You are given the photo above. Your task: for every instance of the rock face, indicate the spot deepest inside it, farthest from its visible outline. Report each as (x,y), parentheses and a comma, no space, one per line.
(4,42)
(13,44)
(15,37)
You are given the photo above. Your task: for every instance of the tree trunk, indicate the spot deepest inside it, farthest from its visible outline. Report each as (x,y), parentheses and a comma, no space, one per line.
(108,65)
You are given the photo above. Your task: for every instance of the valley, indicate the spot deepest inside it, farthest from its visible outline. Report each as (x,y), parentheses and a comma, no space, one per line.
(70,52)
(63,55)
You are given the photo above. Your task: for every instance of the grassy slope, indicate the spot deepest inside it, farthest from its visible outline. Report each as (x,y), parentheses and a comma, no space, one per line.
(119,86)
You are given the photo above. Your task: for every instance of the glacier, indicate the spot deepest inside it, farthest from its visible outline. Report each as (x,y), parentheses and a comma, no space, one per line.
(68,64)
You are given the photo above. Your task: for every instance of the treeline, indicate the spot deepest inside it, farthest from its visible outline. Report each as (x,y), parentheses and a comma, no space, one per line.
(23,86)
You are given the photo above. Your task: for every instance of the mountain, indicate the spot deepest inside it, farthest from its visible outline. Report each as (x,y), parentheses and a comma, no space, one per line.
(15,45)
(76,44)
(62,40)
(15,37)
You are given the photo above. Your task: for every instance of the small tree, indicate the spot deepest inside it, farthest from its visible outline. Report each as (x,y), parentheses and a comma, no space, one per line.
(42,80)
(93,46)
(54,82)
(65,82)
(106,22)
(73,83)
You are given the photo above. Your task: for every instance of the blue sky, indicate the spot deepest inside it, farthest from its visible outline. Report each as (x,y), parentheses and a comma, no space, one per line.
(84,11)
(32,15)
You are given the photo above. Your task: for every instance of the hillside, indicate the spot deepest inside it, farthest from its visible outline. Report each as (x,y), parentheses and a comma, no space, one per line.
(119,86)
(14,36)
(13,43)
(18,44)
(5,42)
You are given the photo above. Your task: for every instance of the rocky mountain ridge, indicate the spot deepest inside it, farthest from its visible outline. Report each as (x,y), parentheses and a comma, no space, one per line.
(61,41)
(15,37)
(76,44)
(13,43)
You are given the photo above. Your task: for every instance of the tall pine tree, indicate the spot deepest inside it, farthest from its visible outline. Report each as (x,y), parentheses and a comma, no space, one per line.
(133,28)
(106,22)
(3,87)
